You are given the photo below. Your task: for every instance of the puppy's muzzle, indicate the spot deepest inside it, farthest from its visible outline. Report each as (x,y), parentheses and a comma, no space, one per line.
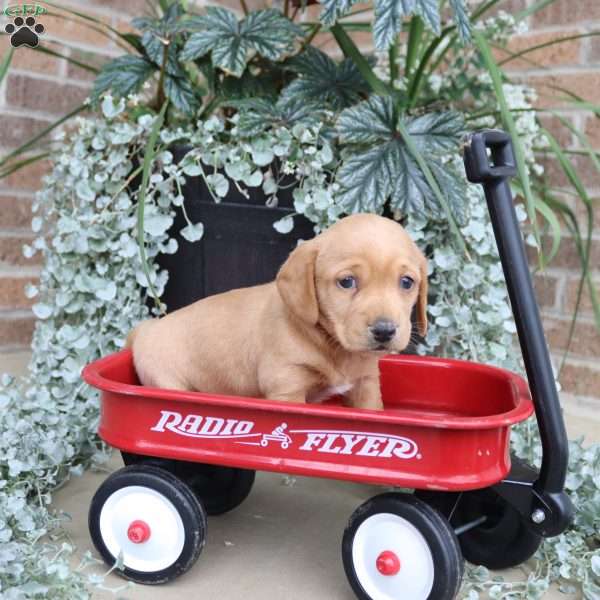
(383,330)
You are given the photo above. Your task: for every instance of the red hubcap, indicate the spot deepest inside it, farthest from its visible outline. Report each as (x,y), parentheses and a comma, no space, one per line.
(388,563)
(138,532)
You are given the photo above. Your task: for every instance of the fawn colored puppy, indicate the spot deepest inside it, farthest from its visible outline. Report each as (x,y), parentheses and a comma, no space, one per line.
(339,302)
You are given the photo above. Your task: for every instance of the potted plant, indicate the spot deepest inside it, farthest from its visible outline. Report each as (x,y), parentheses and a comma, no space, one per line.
(268,135)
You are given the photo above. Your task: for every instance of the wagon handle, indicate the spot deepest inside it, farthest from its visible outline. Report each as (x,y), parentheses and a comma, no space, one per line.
(489,160)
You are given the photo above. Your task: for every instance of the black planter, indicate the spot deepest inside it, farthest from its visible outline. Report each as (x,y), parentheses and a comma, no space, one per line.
(239,248)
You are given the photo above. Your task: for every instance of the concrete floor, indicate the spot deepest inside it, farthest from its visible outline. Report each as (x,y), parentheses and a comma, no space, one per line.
(283,542)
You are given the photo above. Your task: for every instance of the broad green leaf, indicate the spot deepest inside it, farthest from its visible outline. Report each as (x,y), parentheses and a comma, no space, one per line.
(154,47)
(165,26)
(390,13)
(378,165)
(321,79)
(259,114)
(264,84)
(334,9)
(436,131)
(461,19)
(368,122)
(182,94)
(232,43)
(124,75)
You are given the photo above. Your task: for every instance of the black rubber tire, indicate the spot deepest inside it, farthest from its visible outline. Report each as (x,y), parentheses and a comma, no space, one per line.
(439,536)
(178,493)
(501,542)
(220,489)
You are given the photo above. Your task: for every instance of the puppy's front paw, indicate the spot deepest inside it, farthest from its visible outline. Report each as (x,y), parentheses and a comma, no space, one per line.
(365,394)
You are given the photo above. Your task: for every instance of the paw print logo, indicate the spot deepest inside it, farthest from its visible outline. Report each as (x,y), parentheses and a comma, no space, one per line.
(24,32)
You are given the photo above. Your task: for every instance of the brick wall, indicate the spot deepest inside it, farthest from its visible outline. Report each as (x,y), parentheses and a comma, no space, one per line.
(41,88)
(574,65)
(38,90)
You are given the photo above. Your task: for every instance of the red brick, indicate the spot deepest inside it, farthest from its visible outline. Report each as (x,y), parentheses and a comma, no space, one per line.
(580,379)
(594,54)
(65,28)
(15,131)
(38,94)
(28,178)
(326,42)
(592,131)
(563,53)
(562,12)
(28,59)
(586,338)
(545,289)
(12,292)
(584,168)
(16,212)
(586,84)
(582,215)
(133,7)
(567,256)
(11,251)
(554,125)
(88,58)
(16,332)
(508,6)
(585,306)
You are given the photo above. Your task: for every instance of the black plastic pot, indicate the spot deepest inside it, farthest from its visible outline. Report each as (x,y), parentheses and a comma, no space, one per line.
(239,248)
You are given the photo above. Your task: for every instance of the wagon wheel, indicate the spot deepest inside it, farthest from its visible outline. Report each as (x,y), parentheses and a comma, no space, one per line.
(150,518)
(220,489)
(397,547)
(501,541)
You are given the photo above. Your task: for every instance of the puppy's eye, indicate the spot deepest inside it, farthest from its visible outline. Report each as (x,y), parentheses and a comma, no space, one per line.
(406,282)
(347,283)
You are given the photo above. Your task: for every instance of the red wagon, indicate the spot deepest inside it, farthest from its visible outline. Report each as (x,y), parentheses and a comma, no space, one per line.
(444,432)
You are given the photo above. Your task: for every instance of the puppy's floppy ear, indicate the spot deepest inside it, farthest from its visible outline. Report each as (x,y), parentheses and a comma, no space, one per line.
(422,299)
(296,282)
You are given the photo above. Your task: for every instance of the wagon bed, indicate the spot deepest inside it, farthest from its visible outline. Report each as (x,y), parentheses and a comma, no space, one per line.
(445,425)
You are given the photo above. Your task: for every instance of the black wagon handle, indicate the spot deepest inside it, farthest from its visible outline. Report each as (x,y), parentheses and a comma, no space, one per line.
(489,160)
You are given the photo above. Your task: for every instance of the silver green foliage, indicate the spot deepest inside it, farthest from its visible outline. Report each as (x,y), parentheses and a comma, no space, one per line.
(231,43)
(90,294)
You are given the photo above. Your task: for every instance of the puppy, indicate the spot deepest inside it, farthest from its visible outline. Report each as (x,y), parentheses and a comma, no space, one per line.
(339,302)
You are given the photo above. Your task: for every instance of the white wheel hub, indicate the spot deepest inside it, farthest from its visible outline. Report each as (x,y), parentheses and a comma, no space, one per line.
(145,526)
(392,559)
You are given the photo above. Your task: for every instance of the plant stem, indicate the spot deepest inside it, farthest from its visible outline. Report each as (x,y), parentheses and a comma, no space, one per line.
(393,60)
(509,122)
(311,36)
(286,7)
(149,155)
(415,36)
(160,96)
(244,6)
(350,50)
(416,81)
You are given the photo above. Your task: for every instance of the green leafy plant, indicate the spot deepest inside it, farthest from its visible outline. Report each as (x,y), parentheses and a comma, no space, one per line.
(259,102)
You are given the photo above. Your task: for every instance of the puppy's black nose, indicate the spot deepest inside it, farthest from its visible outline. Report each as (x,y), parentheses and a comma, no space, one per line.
(383,330)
